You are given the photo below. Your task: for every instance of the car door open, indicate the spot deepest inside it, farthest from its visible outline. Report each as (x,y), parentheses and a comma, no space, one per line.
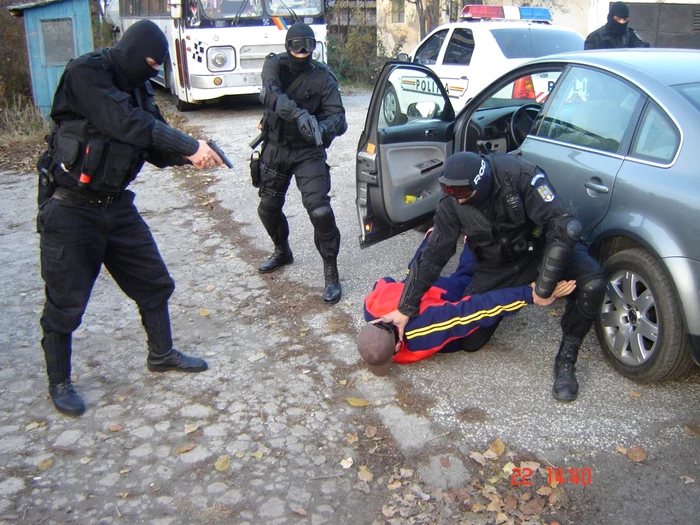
(407,137)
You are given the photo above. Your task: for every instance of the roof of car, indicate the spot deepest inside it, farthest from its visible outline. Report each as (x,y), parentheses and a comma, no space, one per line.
(483,25)
(670,66)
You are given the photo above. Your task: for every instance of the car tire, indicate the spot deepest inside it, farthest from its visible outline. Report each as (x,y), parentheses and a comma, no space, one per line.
(391,107)
(640,327)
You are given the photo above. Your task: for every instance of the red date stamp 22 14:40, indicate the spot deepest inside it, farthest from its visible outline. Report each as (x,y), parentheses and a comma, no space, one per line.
(523,476)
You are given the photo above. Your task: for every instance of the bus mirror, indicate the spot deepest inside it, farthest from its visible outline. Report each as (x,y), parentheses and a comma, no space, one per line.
(175,8)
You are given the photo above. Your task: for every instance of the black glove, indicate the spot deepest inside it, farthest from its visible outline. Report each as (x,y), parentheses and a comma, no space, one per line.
(305,125)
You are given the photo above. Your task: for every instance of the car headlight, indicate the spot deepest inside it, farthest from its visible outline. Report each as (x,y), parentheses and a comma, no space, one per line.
(221,59)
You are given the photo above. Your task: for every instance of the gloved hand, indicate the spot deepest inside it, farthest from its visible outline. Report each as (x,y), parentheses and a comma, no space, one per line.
(305,125)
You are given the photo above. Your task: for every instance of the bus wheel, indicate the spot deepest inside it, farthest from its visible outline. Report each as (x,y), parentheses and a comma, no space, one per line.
(183,106)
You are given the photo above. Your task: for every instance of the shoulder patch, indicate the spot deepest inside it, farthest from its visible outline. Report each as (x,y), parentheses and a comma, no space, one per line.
(537,177)
(546,193)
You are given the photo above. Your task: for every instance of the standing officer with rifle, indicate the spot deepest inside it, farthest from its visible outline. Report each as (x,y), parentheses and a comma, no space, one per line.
(303,114)
(106,125)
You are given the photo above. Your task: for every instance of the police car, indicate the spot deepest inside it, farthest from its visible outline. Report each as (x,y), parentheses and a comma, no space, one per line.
(468,55)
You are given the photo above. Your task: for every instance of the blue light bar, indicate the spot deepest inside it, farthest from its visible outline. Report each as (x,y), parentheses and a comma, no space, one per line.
(535,13)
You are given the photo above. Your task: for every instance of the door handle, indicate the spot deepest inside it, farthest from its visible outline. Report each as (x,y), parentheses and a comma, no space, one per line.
(599,188)
(430,133)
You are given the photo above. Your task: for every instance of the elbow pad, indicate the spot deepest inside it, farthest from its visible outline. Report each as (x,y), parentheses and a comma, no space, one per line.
(552,269)
(166,137)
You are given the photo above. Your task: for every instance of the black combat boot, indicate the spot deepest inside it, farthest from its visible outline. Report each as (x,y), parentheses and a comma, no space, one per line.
(331,294)
(174,361)
(57,351)
(565,385)
(162,357)
(280,257)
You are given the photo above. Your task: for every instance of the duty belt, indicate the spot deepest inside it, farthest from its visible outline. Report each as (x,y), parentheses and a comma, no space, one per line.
(75,197)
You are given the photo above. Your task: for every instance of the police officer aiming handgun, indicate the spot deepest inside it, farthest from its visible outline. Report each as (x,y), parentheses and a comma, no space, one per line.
(520,233)
(303,114)
(106,127)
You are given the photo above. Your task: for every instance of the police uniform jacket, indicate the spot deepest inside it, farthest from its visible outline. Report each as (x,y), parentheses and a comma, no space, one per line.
(94,106)
(603,38)
(318,93)
(509,229)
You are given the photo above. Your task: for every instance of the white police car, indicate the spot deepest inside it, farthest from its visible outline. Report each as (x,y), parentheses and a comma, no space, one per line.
(467,56)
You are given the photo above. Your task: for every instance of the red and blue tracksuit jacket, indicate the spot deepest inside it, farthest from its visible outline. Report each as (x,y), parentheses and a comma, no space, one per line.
(445,315)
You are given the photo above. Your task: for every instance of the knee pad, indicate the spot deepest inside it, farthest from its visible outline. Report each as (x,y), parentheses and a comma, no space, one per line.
(323,219)
(591,295)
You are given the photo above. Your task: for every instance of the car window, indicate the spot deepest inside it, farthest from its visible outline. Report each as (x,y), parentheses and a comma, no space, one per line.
(531,42)
(657,139)
(428,52)
(460,48)
(691,92)
(409,96)
(590,109)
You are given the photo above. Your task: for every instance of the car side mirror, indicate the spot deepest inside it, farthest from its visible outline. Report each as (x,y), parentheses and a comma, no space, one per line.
(402,57)
(175,8)
(422,109)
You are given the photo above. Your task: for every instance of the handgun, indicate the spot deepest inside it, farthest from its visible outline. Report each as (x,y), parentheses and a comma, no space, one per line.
(316,130)
(215,147)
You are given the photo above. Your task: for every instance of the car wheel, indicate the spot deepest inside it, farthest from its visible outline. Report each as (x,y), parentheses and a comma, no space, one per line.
(640,327)
(391,107)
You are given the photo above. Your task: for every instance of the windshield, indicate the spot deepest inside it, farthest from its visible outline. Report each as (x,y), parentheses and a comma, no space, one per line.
(691,92)
(532,42)
(219,9)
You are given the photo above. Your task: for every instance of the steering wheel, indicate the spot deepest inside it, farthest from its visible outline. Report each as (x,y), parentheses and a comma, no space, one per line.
(521,122)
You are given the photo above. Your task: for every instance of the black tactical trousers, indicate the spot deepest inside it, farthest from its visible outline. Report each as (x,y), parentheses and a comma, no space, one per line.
(580,267)
(76,239)
(308,166)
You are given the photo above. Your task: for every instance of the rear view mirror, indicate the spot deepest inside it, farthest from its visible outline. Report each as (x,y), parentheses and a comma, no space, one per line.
(402,57)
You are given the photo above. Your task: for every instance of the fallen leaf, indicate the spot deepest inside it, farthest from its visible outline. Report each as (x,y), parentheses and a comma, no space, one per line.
(501,518)
(533,506)
(189,428)
(222,463)
(114,428)
(85,460)
(352,438)
(155,487)
(478,507)
(240,454)
(693,430)
(304,329)
(31,426)
(371,431)
(621,450)
(184,449)
(510,503)
(257,454)
(356,402)
(203,312)
(497,447)
(256,357)
(123,495)
(45,464)
(445,462)
(121,398)
(125,470)
(687,479)
(532,465)
(388,511)
(300,511)
(362,485)
(364,474)
(558,498)
(479,458)
(637,454)
(406,472)
(544,491)
(346,463)
(635,394)
(508,468)
(394,485)
(343,381)
(496,503)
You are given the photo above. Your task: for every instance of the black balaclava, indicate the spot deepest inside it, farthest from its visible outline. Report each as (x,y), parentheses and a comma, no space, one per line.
(142,40)
(467,166)
(299,30)
(620,10)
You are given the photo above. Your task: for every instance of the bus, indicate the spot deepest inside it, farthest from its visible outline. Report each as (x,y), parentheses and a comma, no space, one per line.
(217,47)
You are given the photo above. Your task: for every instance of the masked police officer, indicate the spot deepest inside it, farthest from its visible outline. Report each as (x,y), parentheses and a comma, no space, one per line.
(615,33)
(106,126)
(519,232)
(303,114)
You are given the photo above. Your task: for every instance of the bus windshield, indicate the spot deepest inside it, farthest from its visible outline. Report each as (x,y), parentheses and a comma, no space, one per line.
(222,9)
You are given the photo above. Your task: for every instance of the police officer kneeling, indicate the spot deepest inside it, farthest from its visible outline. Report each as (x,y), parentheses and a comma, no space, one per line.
(519,232)
(106,127)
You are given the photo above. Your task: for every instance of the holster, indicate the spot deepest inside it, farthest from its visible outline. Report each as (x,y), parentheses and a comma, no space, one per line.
(255,168)
(47,183)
